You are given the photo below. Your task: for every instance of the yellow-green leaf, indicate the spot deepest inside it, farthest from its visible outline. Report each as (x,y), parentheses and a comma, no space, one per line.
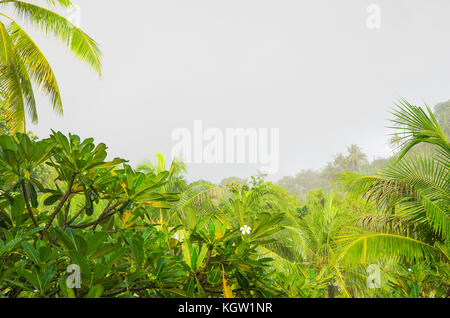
(227,291)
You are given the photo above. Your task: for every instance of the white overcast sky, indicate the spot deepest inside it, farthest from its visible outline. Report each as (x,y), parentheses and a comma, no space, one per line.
(311,68)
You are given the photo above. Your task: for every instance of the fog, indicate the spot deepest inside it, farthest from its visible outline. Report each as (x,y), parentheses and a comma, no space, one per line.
(312,69)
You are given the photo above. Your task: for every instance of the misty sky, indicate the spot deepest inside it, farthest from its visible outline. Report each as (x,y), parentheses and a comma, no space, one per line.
(310,68)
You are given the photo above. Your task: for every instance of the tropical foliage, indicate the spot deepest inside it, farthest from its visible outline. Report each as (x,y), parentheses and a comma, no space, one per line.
(74,223)
(23,64)
(413,192)
(99,216)
(147,232)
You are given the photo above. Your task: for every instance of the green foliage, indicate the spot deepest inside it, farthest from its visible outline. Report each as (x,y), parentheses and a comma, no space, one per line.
(146,232)
(98,215)
(23,63)
(412,196)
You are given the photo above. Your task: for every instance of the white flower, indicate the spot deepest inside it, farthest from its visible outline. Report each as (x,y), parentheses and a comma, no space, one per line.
(246,229)
(179,236)
(410,269)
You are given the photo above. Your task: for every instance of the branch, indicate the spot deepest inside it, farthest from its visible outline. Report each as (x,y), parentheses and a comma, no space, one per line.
(102,217)
(74,217)
(66,213)
(60,205)
(27,202)
(124,289)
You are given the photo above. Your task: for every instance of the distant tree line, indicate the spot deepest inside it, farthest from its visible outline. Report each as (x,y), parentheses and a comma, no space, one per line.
(354,160)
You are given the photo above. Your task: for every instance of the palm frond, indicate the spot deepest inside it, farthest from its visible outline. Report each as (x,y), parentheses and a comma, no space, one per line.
(194,196)
(15,84)
(357,246)
(79,43)
(415,126)
(36,64)
(400,224)
(62,3)
(419,184)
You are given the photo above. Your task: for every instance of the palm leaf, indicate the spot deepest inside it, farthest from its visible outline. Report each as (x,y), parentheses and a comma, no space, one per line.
(358,246)
(36,64)
(415,126)
(79,43)
(15,84)
(62,3)
(418,184)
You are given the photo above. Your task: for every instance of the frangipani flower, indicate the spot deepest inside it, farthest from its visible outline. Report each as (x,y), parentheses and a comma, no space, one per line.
(246,229)
(179,236)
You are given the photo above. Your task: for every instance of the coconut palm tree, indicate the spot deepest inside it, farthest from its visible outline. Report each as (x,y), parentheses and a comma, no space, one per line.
(340,162)
(355,157)
(22,62)
(412,195)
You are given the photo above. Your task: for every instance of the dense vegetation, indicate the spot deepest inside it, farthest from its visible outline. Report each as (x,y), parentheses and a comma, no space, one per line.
(354,229)
(148,233)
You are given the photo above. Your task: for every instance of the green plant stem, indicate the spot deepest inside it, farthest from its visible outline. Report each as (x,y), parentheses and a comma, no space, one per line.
(60,205)
(27,203)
